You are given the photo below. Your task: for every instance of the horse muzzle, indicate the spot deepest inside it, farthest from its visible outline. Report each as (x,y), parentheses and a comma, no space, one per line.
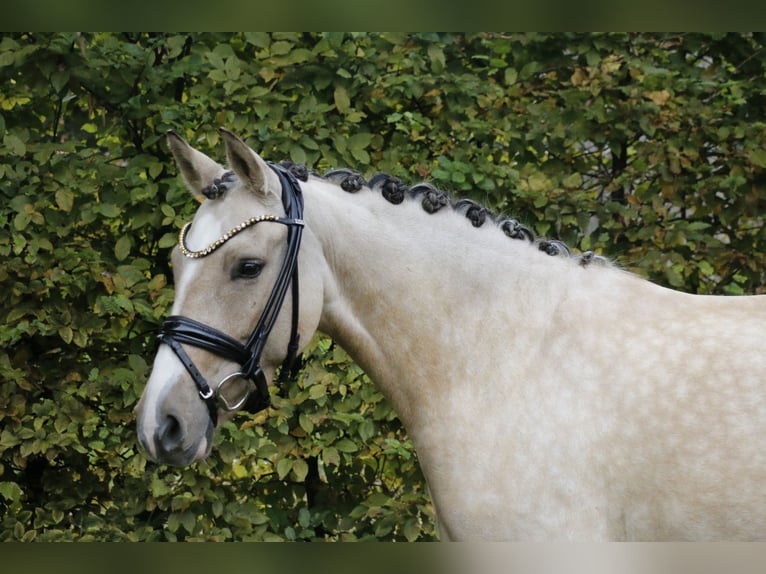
(167,437)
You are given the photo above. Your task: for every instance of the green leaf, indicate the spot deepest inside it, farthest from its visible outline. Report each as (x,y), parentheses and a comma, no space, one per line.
(281,48)
(173,522)
(14,145)
(357,144)
(316,391)
(158,487)
(284,466)
(346,445)
(59,80)
(11,491)
(168,240)
(259,39)
(342,101)
(297,154)
(122,248)
(137,363)
(109,210)
(361,156)
(6,59)
(21,221)
(305,422)
(300,469)
(757,156)
(155,169)
(233,68)
(359,140)
(330,456)
(15,314)
(366,430)
(383,527)
(573,181)
(705,268)
(411,530)
(438,60)
(66,333)
(65,199)
(674,276)
(378,499)
(258,518)
(188,521)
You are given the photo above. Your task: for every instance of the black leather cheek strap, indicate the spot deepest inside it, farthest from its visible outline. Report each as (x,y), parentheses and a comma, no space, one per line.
(205,392)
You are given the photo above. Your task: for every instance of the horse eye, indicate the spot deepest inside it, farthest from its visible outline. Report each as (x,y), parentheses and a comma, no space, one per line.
(247,269)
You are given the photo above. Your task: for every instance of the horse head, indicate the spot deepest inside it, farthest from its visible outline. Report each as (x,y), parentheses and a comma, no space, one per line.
(239,311)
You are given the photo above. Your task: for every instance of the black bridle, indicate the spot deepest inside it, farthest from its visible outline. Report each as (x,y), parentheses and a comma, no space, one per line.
(178,330)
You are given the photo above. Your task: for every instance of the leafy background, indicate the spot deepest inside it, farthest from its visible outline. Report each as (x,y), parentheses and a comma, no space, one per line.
(647,148)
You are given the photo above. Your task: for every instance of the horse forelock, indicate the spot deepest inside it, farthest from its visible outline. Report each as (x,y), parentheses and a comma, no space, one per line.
(433,199)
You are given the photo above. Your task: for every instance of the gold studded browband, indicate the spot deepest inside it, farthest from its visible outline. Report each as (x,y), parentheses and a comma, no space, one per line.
(229,234)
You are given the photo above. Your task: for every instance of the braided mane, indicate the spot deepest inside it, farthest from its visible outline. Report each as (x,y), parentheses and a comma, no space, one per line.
(432,199)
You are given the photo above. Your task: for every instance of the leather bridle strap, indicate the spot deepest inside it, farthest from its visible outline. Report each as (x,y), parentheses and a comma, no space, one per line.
(205,392)
(293,204)
(178,330)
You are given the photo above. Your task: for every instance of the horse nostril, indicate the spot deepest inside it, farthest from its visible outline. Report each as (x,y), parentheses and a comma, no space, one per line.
(170,434)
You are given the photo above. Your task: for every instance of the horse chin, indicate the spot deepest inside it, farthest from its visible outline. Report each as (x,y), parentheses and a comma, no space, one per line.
(182,457)
(188,456)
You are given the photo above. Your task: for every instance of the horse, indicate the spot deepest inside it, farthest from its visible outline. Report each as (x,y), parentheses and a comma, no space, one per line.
(549,396)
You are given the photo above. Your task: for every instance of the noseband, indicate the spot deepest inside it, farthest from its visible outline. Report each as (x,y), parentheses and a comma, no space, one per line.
(178,330)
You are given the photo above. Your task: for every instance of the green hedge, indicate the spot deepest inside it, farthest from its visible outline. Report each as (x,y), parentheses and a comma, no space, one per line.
(649,149)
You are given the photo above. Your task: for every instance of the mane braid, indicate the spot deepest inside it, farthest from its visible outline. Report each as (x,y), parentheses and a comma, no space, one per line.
(474,212)
(432,199)
(220,185)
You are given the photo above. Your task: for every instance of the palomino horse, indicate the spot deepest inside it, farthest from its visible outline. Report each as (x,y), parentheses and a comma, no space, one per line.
(548,398)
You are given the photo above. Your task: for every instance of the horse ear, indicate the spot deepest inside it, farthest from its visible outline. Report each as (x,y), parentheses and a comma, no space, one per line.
(197,169)
(248,165)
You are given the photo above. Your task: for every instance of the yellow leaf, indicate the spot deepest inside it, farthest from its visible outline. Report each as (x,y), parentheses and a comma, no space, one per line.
(106,279)
(658,97)
(579,77)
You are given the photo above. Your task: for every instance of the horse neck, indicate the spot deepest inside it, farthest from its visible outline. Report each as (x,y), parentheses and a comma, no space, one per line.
(414,298)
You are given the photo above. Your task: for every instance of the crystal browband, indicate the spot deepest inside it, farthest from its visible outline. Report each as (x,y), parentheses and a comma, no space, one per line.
(229,234)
